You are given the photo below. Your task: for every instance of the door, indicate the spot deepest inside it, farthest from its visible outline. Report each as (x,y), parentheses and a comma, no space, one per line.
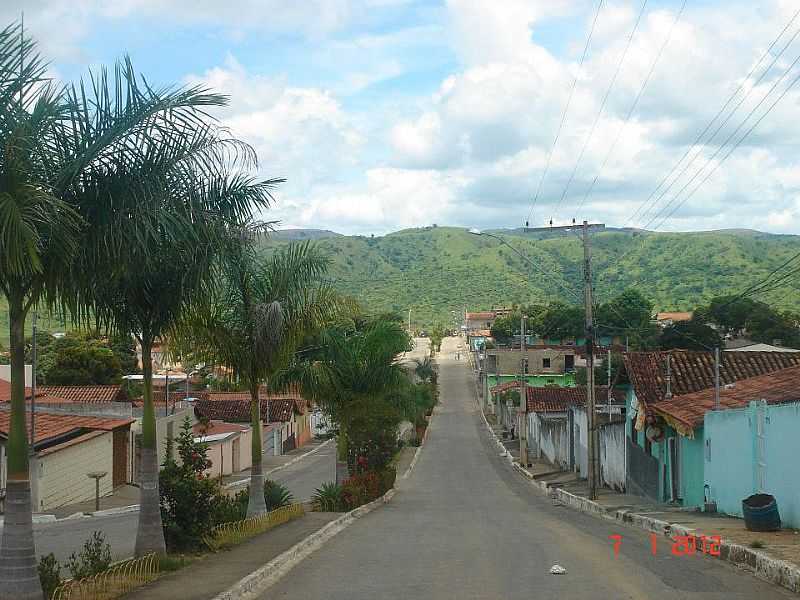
(236,455)
(120,453)
(673,445)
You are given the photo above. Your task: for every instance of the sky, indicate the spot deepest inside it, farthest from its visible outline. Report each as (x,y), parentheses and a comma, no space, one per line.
(388,114)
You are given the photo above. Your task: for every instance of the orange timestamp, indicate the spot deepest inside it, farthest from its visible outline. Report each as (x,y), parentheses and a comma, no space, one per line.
(682,545)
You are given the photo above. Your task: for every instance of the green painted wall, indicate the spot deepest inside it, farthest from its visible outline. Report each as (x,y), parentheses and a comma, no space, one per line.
(692,471)
(563,380)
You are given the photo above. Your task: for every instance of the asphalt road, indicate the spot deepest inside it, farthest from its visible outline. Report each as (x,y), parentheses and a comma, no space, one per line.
(64,537)
(465,525)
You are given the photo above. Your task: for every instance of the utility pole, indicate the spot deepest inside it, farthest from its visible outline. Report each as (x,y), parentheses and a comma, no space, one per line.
(586,229)
(523,399)
(608,387)
(409,321)
(591,417)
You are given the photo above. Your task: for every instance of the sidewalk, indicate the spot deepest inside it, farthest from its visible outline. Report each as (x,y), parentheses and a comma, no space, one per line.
(214,573)
(127,496)
(272,463)
(777,558)
(123,497)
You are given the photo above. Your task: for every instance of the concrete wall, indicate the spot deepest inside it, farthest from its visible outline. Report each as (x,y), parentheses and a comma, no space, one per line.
(507,361)
(61,478)
(120,410)
(612,455)
(5,374)
(581,440)
(548,436)
(731,469)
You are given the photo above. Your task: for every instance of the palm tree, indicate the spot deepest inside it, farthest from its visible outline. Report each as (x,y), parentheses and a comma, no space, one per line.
(254,321)
(57,147)
(350,370)
(179,194)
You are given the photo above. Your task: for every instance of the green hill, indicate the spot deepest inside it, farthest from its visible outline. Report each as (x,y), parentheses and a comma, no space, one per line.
(436,270)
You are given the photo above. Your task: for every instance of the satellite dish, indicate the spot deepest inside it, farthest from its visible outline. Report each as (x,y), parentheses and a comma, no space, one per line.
(654,433)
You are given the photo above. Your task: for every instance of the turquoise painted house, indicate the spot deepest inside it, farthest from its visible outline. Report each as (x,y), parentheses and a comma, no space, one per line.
(668,406)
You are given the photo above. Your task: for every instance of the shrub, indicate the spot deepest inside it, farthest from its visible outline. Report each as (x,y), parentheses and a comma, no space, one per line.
(387,478)
(49,574)
(189,498)
(227,509)
(360,489)
(94,557)
(327,497)
(276,495)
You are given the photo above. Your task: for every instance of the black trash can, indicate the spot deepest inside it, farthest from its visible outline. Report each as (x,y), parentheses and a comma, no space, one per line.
(761,513)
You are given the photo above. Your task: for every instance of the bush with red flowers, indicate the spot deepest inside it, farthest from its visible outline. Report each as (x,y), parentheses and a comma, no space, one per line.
(188,495)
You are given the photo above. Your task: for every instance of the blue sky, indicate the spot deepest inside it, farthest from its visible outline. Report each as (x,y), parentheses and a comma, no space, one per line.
(386,114)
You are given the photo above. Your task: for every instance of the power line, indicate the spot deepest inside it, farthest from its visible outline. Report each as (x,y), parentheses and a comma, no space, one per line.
(602,104)
(564,113)
(735,146)
(717,116)
(633,105)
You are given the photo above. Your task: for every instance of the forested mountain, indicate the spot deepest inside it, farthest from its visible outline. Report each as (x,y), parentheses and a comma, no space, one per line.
(436,270)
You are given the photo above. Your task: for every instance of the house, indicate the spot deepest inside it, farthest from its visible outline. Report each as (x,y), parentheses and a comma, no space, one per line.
(481,320)
(229,446)
(84,393)
(665,454)
(748,444)
(558,430)
(66,449)
(542,366)
(666,319)
(286,421)
(745,345)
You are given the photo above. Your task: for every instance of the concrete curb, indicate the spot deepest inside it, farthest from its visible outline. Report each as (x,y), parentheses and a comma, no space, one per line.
(773,570)
(296,459)
(37,519)
(266,576)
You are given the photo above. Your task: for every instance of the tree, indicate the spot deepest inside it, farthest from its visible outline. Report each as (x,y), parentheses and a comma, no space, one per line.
(690,335)
(181,194)
(254,320)
(559,320)
(62,149)
(349,371)
(506,327)
(730,313)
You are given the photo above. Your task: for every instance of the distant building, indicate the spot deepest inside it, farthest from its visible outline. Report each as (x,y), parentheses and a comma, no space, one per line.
(665,319)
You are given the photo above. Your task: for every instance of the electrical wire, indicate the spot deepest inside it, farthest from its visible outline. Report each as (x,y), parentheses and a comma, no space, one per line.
(633,105)
(602,105)
(564,113)
(724,107)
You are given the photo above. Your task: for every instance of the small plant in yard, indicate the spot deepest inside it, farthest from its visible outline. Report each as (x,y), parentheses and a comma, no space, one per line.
(327,498)
(276,495)
(757,544)
(49,574)
(94,557)
(172,562)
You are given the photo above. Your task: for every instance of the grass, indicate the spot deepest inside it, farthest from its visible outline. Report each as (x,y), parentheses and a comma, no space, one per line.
(757,544)
(175,562)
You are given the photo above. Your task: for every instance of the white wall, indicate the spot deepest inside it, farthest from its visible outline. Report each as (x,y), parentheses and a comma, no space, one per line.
(612,455)
(549,437)
(60,478)
(5,373)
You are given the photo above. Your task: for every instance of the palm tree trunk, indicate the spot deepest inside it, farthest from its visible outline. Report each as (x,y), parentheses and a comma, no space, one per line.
(256,504)
(150,533)
(19,577)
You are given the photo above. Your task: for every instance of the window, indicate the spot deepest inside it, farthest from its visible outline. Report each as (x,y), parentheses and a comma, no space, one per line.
(545,363)
(569,362)
(525,366)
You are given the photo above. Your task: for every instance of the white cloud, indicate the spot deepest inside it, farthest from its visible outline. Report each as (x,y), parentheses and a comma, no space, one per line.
(301,134)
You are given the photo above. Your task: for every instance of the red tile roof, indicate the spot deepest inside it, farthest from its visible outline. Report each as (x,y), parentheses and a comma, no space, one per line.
(215,427)
(85,393)
(482,315)
(559,399)
(5,391)
(504,387)
(674,316)
(694,371)
(238,410)
(50,425)
(690,409)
